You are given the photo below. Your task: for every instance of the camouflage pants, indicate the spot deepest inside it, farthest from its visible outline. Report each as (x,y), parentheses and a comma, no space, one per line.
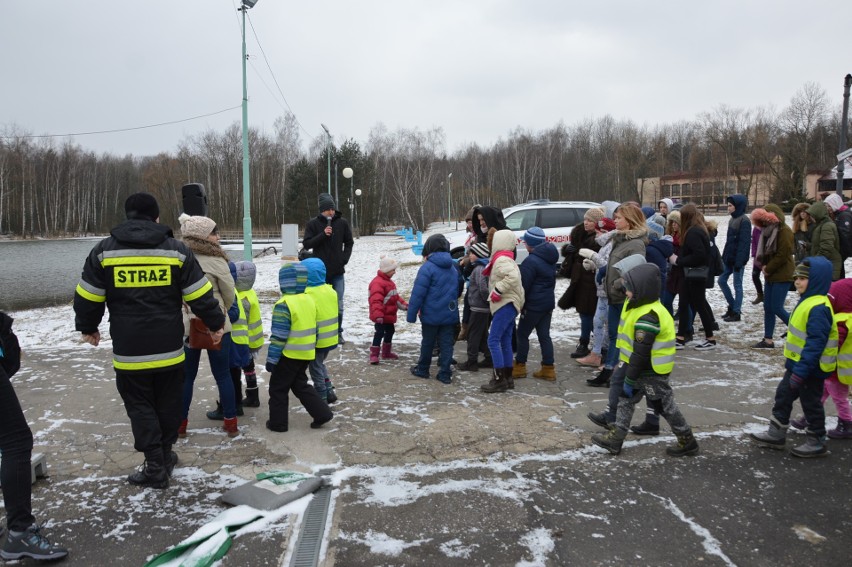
(660,397)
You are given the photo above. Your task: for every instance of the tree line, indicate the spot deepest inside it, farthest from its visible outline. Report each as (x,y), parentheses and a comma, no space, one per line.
(54,189)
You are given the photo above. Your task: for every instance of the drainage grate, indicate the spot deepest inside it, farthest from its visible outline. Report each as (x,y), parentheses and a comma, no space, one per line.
(308,545)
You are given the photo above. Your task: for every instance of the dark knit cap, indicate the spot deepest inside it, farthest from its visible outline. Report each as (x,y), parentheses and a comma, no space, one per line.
(803,270)
(436,243)
(480,250)
(326,202)
(142,206)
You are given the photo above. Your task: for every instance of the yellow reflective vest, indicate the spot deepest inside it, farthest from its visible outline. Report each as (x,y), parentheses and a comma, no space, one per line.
(302,340)
(663,349)
(797,334)
(844,353)
(327,324)
(248,329)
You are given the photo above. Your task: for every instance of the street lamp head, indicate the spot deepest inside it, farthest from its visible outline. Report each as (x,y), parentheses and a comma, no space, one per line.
(347,172)
(357,192)
(249,3)
(450,175)
(324,127)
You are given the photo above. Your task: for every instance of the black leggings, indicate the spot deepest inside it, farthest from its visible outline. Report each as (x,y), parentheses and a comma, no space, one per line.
(385,331)
(755,279)
(694,293)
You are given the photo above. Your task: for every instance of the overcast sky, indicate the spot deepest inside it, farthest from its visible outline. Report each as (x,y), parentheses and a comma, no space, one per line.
(476,68)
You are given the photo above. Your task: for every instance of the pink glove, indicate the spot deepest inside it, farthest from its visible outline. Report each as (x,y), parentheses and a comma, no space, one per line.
(380,321)
(495,297)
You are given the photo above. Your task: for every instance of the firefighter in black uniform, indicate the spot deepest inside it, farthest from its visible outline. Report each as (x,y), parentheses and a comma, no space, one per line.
(144,276)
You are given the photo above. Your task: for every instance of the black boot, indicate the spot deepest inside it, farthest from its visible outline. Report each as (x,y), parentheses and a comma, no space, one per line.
(152,473)
(507,376)
(170,458)
(219,415)
(252,399)
(470,365)
(582,349)
(496,384)
(686,445)
(601,380)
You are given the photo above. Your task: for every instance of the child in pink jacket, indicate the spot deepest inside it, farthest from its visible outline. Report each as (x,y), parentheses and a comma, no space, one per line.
(384,303)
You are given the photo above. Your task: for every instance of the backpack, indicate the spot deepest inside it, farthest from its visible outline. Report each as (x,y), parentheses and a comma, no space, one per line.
(716,265)
(10,348)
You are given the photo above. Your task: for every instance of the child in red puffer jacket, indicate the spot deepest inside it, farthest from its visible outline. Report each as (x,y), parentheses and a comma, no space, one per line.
(384,303)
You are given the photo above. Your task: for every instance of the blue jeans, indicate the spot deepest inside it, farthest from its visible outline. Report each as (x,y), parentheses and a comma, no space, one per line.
(220,366)
(319,373)
(735,301)
(587,322)
(540,321)
(339,285)
(445,335)
(613,316)
(774,295)
(500,336)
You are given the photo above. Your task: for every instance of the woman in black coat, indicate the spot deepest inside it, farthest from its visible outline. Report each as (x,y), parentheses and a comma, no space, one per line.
(695,253)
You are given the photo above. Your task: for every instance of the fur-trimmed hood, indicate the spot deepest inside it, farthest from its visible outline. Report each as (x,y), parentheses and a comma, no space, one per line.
(763,218)
(204,247)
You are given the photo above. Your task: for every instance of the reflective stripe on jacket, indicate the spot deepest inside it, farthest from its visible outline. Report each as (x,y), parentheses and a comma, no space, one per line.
(327,324)
(844,353)
(797,333)
(663,349)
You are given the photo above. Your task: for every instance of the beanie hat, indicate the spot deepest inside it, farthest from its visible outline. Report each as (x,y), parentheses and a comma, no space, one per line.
(648,212)
(606,224)
(480,250)
(142,206)
(533,236)
(803,270)
(326,202)
(246,273)
(196,227)
(387,265)
(834,202)
(594,214)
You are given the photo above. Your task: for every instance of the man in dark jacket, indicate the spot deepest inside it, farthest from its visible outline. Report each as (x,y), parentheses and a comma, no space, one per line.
(330,237)
(538,278)
(842,216)
(144,276)
(735,256)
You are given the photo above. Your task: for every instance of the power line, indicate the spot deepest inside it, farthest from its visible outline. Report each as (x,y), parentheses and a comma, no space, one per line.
(124,129)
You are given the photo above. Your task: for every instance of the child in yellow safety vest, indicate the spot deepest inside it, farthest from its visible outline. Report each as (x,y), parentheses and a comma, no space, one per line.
(811,357)
(292,345)
(328,330)
(837,385)
(646,341)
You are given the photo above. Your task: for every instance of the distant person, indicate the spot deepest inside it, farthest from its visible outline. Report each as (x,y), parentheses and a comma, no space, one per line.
(143,275)
(842,216)
(24,537)
(385,302)
(476,299)
(811,357)
(292,345)
(434,298)
(538,279)
(775,255)
(825,238)
(802,229)
(593,263)
(486,222)
(665,207)
(646,350)
(756,268)
(735,256)
(506,296)
(329,236)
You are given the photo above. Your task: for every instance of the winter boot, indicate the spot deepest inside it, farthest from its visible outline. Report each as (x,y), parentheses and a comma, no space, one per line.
(386,352)
(31,543)
(170,458)
(252,399)
(686,445)
(496,384)
(374,355)
(601,380)
(546,372)
(507,376)
(611,440)
(519,370)
(582,349)
(842,431)
(152,473)
(218,414)
(757,300)
(645,428)
(230,426)
(470,365)
(775,437)
(590,359)
(330,396)
(463,333)
(799,423)
(182,428)
(600,419)
(814,446)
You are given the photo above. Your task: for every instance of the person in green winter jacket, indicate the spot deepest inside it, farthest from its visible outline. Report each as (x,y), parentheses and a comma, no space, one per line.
(825,240)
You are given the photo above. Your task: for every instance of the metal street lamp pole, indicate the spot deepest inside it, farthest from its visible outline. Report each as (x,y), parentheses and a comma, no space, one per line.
(328,154)
(449,196)
(357,229)
(247,247)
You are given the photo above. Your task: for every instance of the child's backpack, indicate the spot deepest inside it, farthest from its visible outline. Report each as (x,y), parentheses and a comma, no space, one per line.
(716,264)
(10,348)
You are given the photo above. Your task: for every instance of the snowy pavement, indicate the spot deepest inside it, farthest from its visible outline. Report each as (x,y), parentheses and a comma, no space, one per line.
(427,474)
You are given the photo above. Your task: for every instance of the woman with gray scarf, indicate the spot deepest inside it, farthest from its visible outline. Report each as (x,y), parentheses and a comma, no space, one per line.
(775,254)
